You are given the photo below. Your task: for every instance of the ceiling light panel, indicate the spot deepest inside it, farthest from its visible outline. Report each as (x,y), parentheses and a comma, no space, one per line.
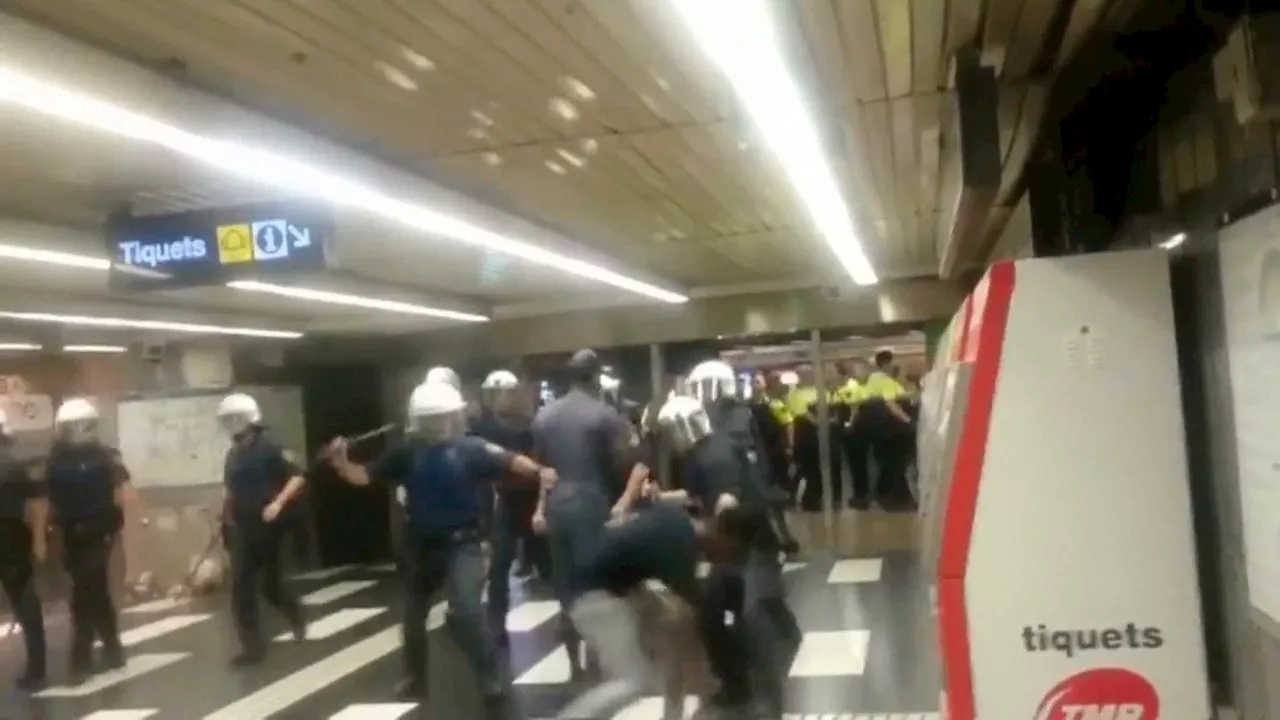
(356,301)
(296,177)
(149,325)
(741,37)
(19,347)
(105,349)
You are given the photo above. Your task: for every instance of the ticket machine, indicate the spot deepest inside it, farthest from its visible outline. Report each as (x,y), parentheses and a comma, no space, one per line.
(1055,501)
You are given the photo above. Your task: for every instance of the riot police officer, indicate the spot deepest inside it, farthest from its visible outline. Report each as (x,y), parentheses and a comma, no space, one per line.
(23,531)
(750,657)
(261,483)
(585,440)
(502,424)
(440,467)
(86,481)
(446,375)
(715,385)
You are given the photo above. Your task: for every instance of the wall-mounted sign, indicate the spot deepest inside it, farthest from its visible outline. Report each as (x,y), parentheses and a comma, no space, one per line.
(211,247)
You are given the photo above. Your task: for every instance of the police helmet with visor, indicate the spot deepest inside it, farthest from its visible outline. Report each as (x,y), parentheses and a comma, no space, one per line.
(711,380)
(446,375)
(500,390)
(610,386)
(237,413)
(686,420)
(437,412)
(76,421)
(4,424)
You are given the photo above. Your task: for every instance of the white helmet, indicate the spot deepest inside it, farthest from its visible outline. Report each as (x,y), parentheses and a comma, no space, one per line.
(712,380)
(686,419)
(789,378)
(437,411)
(238,412)
(442,374)
(4,423)
(500,380)
(76,420)
(610,386)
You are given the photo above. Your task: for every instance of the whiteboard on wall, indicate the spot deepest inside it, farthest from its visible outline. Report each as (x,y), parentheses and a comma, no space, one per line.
(1250,268)
(177,441)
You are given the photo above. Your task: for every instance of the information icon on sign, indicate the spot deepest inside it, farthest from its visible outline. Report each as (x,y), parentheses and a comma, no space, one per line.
(270,240)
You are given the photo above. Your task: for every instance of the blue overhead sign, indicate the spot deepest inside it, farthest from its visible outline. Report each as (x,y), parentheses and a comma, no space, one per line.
(211,247)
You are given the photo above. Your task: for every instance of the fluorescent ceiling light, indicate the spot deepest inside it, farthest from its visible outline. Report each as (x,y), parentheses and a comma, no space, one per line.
(741,37)
(333,298)
(12,347)
(296,177)
(156,325)
(1174,241)
(95,348)
(49,257)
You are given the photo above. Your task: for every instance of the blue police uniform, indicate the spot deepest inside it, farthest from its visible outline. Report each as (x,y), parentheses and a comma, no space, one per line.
(513,516)
(256,470)
(17,488)
(82,479)
(442,545)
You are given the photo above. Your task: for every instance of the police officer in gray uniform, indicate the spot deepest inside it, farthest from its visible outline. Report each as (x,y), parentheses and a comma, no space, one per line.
(85,480)
(441,467)
(582,438)
(261,484)
(23,527)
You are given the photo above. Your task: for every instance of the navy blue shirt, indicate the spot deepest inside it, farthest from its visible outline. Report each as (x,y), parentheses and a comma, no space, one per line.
(657,543)
(440,481)
(255,472)
(16,487)
(580,436)
(717,466)
(82,479)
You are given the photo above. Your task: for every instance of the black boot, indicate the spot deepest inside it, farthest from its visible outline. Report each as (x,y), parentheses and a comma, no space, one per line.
(414,689)
(32,680)
(252,649)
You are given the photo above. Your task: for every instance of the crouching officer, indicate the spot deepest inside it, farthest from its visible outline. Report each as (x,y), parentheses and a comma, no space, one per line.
(715,385)
(440,468)
(23,530)
(86,483)
(260,485)
(750,658)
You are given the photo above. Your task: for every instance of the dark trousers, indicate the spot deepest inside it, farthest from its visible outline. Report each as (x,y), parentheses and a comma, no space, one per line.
(512,526)
(16,574)
(751,656)
(87,556)
(454,563)
(576,514)
(255,568)
(888,446)
(855,444)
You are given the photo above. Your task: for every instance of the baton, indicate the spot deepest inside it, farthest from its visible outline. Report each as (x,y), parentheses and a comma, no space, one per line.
(376,432)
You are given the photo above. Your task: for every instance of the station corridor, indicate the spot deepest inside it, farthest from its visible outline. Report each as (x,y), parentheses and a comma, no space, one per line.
(867,654)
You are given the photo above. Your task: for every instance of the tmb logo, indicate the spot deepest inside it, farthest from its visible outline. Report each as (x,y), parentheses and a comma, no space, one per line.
(1101,694)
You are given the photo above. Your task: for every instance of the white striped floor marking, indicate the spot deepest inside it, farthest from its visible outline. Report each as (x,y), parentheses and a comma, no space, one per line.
(384,567)
(651,708)
(829,654)
(704,568)
(334,623)
(552,669)
(288,691)
(322,574)
(374,711)
(861,570)
(862,716)
(120,714)
(137,666)
(156,606)
(159,628)
(531,614)
(336,591)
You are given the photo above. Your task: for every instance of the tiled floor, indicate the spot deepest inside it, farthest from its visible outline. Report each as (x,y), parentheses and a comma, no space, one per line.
(867,654)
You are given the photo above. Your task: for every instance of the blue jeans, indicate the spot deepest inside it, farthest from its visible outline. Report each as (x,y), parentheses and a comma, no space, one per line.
(456,564)
(576,513)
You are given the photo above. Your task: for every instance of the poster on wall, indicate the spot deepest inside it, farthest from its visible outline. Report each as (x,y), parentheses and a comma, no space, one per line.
(1250,268)
(24,411)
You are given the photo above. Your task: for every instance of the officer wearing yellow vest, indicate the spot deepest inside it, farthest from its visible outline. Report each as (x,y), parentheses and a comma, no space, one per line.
(802,403)
(889,428)
(852,437)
